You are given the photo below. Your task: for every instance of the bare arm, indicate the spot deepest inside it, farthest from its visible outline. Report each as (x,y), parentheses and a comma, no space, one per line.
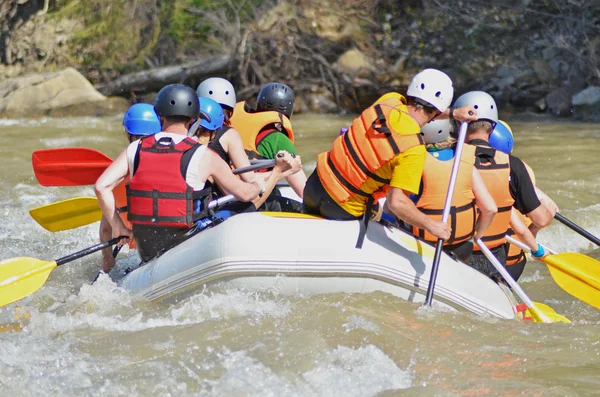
(541,217)
(521,231)
(399,203)
(110,178)
(284,166)
(297,182)
(485,202)
(222,174)
(233,145)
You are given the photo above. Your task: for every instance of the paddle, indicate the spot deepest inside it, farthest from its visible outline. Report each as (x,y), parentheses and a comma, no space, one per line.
(438,247)
(76,166)
(67,214)
(68,166)
(576,274)
(22,276)
(577,229)
(537,314)
(82,211)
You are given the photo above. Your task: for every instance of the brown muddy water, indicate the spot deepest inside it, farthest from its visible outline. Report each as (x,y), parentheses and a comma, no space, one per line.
(74,339)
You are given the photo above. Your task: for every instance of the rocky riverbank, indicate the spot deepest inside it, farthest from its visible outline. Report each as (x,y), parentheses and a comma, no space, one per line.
(337,55)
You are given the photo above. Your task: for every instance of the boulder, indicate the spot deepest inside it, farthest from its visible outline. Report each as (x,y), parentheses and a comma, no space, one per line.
(353,62)
(543,72)
(37,93)
(586,104)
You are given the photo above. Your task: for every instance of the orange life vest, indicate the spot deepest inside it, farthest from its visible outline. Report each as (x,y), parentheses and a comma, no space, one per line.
(120,196)
(495,172)
(436,175)
(515,254)
(369,144)
(251,125)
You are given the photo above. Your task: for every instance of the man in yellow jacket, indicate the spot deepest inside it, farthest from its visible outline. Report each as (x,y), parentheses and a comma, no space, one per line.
(382,154)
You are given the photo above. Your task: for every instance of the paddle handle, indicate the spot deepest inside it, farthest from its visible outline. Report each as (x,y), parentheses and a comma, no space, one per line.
(524,246)
(513,284)
(87,251)
(577,229)
(446,213)
(254,167)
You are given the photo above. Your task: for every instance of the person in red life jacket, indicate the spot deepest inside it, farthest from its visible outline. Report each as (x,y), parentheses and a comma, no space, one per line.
(167,192)
(506,179)
(502,139)
(268,129)
(381,154)
(139,121)
(470,191)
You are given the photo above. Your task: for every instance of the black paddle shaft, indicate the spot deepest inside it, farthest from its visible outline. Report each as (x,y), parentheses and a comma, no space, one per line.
(87,251)
(577,229)
(434,272)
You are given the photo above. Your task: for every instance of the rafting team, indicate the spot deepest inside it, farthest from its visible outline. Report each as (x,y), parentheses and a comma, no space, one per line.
(182,150)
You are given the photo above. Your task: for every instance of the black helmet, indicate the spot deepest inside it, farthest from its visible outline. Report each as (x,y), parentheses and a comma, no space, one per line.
(177,100)
(278,97)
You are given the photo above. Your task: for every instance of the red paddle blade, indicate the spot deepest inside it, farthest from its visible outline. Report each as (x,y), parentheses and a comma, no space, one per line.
(68,166)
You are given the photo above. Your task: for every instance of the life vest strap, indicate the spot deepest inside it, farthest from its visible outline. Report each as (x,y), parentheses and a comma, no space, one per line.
(494,237)
(505,209)
(342,180)
(453,221)
(365,221)
(359,162)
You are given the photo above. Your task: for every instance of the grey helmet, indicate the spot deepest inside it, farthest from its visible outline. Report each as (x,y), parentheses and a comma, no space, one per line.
(436,131)
(482,102)
(177,100)
(276,97)
(219,90)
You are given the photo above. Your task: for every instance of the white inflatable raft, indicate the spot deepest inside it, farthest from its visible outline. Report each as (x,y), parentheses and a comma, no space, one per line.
(298,254)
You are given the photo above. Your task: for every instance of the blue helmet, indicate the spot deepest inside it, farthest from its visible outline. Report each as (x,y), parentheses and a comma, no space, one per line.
(140,119)
(502,138)
(211,114)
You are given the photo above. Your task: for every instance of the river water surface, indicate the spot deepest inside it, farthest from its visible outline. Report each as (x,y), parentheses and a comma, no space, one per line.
(74,339)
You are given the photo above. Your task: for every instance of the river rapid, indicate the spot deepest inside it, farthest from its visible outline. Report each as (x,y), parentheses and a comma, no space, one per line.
(74,339)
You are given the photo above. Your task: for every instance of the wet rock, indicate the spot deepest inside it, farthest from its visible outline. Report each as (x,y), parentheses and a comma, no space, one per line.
(540,105)
(36,93)
(320,101)
(586,104)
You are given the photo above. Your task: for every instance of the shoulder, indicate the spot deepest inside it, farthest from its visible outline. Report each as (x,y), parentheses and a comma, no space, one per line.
(415,152)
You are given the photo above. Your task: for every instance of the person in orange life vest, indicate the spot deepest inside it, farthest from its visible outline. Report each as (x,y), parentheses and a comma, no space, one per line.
(268,129)
(505,177)
(469,191)
(226,142)
(502,139)
(168,175)
(139,121)
(383,153)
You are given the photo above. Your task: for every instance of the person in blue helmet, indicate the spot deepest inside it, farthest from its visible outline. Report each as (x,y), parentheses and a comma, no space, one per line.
(139,121)
(502,139)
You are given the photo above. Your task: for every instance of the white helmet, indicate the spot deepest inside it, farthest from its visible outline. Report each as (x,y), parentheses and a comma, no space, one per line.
(482,102)
(436,131)
(434,87)
(219,90)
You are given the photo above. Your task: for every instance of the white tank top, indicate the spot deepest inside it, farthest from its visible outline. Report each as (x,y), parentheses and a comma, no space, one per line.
(191,177)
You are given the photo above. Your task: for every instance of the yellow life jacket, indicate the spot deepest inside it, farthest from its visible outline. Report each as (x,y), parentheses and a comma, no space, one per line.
(251,125)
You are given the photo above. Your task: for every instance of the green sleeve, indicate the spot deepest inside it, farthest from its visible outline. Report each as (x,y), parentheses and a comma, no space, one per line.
(273,143)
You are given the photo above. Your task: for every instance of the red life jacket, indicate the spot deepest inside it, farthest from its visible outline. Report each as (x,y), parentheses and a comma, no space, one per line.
(158,194)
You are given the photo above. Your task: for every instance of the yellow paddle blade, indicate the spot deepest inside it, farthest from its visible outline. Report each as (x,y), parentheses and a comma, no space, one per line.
(67,214)
(577,274)
(549,312)
(20,277)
